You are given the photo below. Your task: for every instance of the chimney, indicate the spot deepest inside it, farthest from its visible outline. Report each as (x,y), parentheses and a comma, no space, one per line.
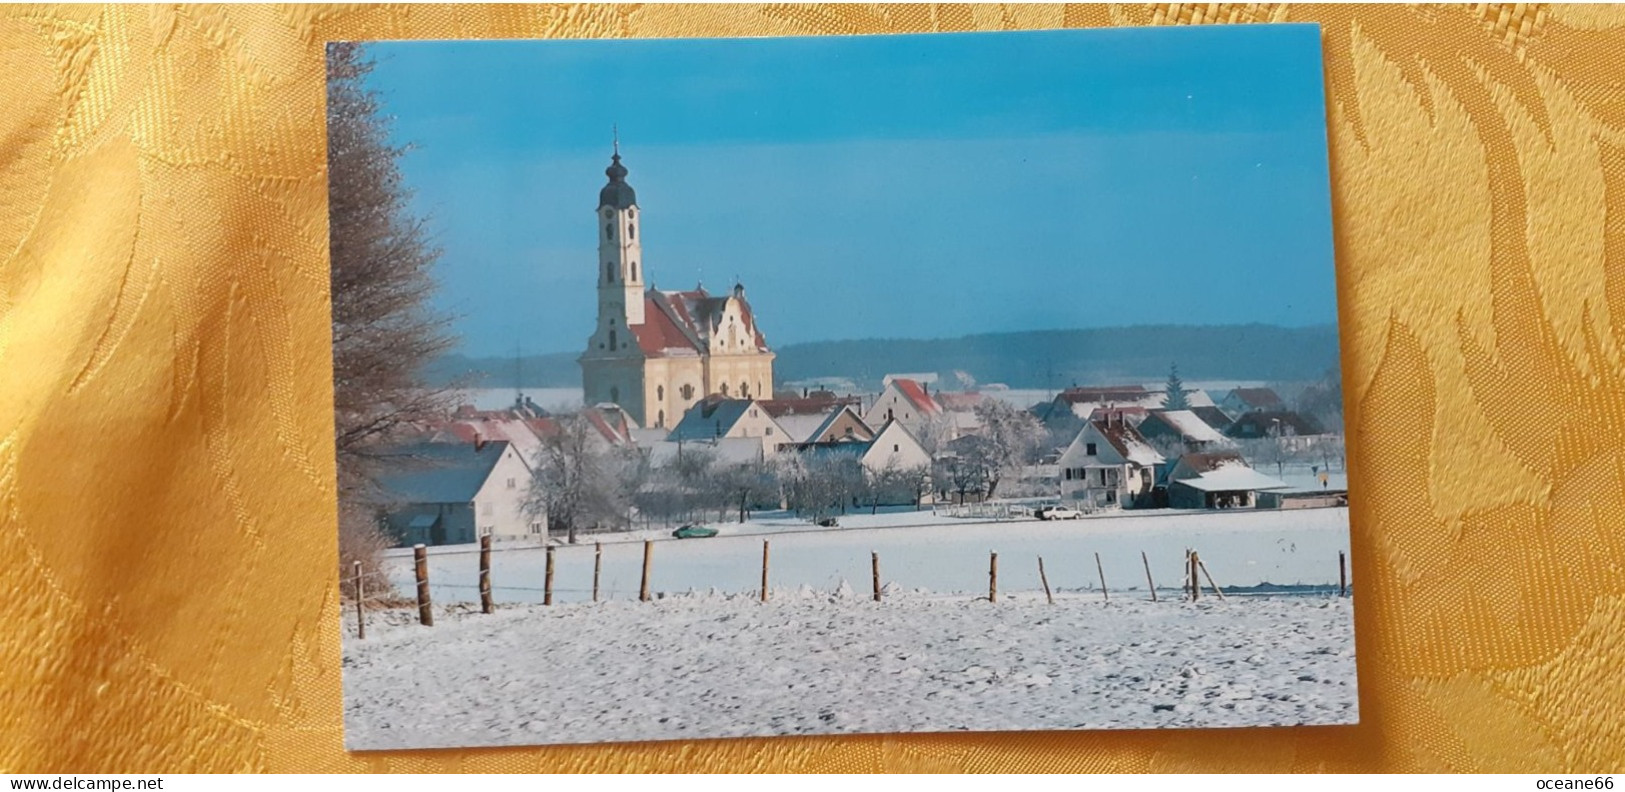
(803,393)
(479,442)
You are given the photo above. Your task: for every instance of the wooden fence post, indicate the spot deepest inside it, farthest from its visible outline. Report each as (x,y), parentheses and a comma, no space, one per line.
(993,577)
(360,593)
(420,557)
(597,567)
(764,570)
(1342,575)
(547,579)
(485,575)
(1098,568)
(874,572)
(1148,580)
(1196,589)
(1042,578)
(1211,584)
(643,590)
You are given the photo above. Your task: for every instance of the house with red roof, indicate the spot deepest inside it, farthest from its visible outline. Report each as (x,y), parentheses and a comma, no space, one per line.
(906,401)
(657,353)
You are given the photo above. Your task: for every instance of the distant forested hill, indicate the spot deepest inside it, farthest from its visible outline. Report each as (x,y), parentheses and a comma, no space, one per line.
(1036,359)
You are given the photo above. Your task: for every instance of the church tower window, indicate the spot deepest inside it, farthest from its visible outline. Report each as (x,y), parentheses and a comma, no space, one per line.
(631,231)
(609,230)
(661,420)
(687,392)
(660,393)
(634,270)
(612,340)
(609,272)
(725,389)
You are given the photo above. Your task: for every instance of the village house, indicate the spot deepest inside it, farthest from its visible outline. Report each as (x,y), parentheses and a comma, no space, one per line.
(892,446)
(656,353)
(1216,480)
(818,417)
(1240,401)
(1294,431)
(452,493)
(906,401)
(1109,465)
(718,417)
(1182,429)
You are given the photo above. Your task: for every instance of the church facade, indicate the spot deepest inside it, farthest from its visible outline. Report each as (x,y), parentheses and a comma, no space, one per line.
(656,353)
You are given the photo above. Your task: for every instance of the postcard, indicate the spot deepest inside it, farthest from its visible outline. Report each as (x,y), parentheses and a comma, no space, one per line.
(853,384)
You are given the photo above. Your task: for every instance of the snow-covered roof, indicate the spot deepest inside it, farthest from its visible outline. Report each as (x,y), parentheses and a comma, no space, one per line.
(734,450)
(1233,478)
(1191,426)
(801,427)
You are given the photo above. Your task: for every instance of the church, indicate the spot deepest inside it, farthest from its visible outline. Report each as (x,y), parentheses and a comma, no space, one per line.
(656,353)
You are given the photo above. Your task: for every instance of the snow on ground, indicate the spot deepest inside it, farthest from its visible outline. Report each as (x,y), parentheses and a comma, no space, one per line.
(807,663)
(1240,548)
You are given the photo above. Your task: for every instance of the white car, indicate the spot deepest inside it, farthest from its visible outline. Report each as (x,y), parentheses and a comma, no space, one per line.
(1059,513)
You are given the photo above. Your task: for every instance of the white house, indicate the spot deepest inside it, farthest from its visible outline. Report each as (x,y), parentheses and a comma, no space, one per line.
(452,493)
(906,401)
(1109,465)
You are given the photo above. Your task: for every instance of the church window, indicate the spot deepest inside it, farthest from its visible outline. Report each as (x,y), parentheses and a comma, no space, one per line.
(688,392)
(725,389)
(744,390)
(612,340)
(609,230)
(631,231)
(634,270)
(660,393)
(609,272)
(614,394)
(660,420)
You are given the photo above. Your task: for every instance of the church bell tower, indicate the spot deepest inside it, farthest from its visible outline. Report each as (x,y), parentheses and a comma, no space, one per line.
(620,254)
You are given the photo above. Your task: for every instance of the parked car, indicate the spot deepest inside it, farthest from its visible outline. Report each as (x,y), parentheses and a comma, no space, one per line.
(695,531)
(1058,513)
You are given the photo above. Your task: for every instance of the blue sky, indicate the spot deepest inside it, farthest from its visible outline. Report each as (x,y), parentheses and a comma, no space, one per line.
(879,186)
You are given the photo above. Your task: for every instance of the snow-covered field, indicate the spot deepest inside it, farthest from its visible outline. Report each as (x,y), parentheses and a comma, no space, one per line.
(917,550)
(809,662)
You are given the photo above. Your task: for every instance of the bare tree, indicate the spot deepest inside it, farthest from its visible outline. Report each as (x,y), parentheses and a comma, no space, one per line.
(383,327)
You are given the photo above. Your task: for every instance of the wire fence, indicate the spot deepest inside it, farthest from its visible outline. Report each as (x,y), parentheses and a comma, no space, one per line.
(1197,583)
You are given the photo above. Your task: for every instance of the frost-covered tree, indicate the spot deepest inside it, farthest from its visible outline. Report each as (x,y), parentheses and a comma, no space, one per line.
(384,329)
(1012,439)
(581,483)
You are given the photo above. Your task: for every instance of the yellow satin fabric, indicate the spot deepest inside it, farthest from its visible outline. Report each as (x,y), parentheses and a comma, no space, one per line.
(167,546)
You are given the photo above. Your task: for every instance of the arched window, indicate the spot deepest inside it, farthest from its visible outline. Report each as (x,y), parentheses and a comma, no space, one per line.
(661,420)
(612,343)
(609,272)
(687,392)
(725,389)
(614,394)
(631,231)
(609,230)
(660,393)
(744,389)
(634,270)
